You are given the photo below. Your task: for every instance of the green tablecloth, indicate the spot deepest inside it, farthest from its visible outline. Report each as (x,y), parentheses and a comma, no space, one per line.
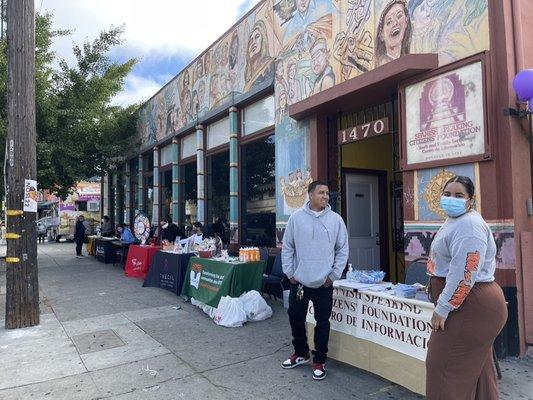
(208,280)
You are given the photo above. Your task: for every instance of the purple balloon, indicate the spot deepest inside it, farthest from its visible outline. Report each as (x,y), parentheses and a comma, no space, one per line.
(523,84)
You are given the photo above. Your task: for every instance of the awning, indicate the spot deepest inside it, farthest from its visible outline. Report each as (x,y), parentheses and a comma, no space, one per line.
(368,89)
(45,204)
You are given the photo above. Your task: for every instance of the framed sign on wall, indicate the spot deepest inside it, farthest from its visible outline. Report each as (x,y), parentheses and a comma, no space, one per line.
(444,117)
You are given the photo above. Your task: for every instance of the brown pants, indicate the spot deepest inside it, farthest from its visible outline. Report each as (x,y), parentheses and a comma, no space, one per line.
(459,362)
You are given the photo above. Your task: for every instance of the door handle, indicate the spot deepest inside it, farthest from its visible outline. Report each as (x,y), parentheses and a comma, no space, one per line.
(378,242)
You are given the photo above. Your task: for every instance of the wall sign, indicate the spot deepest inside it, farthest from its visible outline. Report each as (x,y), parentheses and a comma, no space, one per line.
(444,117)
(364,131)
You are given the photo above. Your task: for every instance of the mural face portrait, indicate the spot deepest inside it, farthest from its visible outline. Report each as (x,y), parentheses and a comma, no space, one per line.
(302,5)
(394,32)
(254,44)
(319,60)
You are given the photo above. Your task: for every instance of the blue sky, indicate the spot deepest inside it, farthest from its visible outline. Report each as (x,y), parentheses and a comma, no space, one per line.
(164,37)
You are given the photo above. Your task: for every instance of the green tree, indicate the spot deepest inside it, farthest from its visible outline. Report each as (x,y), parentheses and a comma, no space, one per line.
(78,130)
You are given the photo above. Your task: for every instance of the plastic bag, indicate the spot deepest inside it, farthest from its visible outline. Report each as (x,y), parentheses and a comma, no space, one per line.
(255,306)
(230,312)
(204,307)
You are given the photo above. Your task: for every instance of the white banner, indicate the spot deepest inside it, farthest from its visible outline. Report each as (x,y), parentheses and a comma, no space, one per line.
(400,324)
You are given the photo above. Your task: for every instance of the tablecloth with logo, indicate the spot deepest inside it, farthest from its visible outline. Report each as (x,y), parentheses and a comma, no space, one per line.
(139,259)
(104,250)
(207,280)
(167,271)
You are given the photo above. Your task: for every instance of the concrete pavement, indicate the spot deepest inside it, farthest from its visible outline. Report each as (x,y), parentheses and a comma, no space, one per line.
(103,335)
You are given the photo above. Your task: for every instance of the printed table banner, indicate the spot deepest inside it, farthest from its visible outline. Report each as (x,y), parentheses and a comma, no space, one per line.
(208,280)
(445,116)
(167,271)
(139,259)
(104,251)
(397,323)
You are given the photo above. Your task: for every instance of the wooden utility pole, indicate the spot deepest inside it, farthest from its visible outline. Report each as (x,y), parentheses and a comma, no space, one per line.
(22,285)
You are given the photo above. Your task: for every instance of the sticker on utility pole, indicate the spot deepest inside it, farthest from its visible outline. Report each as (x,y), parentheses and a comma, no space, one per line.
(30,195)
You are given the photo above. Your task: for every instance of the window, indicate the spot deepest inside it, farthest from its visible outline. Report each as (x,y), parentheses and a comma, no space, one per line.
(218,133)
(81,205)
(188,146)
(258,115)
(165,155)
(258,197)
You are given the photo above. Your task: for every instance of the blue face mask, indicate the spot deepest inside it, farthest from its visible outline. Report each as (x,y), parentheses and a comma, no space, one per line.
(453,206)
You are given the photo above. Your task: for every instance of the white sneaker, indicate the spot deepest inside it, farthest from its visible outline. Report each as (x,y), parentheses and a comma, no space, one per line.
(319,371)
(294,361)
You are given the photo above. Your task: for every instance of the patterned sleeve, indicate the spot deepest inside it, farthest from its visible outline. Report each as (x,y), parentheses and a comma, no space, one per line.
(467,254)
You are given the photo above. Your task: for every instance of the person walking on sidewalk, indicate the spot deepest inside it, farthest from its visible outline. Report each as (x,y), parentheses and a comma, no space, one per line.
(470,309)
(79,235)
(314,254)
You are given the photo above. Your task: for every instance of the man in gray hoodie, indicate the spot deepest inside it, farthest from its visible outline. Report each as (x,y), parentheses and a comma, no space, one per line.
(315,252)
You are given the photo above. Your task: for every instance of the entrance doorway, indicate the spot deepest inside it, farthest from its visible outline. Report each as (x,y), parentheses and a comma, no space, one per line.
(363,220)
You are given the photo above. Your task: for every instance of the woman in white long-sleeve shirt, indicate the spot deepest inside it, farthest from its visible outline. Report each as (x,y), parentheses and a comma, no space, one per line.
(470,308)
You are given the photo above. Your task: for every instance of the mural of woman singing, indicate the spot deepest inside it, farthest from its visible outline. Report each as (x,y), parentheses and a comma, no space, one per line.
(393,37)
(259,63)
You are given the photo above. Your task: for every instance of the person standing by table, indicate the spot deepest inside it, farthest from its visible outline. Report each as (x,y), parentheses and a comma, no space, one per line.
(79,235)
(315,252)
(107,227)
(195,239)
(470,309)
(124,233)
(169,231)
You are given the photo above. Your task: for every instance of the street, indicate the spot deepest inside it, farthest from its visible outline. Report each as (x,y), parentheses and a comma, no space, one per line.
(103,335)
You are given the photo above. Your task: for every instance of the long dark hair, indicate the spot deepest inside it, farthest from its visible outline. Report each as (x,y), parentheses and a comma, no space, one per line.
(466,182)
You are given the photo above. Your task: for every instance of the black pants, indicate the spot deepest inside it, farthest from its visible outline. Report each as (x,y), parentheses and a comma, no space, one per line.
(79,245)
(322,299)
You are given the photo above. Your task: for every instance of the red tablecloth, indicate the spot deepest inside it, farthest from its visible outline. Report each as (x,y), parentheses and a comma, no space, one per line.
(139,259)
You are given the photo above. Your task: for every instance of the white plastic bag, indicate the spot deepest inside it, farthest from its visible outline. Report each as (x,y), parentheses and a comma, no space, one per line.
(204,307)
(230,312)
(255,306)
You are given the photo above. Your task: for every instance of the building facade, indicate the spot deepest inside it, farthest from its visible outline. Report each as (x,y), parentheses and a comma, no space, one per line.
(385,100)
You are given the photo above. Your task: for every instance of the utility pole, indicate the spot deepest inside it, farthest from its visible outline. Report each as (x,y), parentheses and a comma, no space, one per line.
(22,286)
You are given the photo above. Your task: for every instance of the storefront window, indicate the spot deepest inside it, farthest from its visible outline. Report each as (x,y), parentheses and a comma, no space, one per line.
(218,133)
(258,199)
(166,194)
(188,146)
(165,155)
(258,115)
(134,188)
(189,208)
(218,187)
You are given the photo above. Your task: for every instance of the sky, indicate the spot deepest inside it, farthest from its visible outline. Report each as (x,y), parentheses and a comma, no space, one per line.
(164,35)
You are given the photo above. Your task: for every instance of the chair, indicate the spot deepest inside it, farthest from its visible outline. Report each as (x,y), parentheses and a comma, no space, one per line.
(275,277)
(416,272)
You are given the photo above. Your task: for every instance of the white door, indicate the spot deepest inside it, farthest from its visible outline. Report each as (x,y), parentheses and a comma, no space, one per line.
(362,211)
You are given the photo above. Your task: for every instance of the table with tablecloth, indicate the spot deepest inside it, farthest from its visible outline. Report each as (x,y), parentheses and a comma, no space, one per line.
(104,250)
(139,259)
(379,332)
(167,271)
(207,280)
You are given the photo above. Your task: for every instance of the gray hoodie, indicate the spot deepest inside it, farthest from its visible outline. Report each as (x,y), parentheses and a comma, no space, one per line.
(314,246)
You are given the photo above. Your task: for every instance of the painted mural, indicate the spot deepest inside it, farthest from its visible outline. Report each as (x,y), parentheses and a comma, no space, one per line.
(374,32)
(237,63)
(430,185)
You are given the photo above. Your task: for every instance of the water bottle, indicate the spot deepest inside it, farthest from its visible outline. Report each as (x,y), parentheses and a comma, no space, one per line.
(350,274)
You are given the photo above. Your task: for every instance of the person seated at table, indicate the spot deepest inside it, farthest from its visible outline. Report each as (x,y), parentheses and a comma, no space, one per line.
(169,231)
(196,238)
(211,233)
(106,229)
(124,233)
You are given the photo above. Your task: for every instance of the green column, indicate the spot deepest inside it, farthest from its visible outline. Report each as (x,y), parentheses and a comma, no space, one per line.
(140,184)
(176,182)
(233,176)
(200,172)
(155,209)
(127,193)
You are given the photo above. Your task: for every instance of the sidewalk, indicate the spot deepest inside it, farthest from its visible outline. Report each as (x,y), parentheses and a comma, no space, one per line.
(103,335)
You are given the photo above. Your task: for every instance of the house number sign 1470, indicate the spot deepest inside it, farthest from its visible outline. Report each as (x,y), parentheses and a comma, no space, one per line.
(364,131)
